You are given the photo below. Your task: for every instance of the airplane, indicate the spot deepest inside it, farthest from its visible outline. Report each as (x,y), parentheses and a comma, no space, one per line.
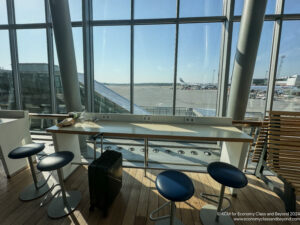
(196,86)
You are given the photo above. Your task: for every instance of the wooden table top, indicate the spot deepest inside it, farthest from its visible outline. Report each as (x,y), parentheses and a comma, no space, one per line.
(156,131)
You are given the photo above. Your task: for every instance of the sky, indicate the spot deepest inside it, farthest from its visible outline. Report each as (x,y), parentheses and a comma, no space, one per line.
(154,45)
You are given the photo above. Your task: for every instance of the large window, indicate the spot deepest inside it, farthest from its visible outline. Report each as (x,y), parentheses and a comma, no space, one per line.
(111,9)
(75,10)
(134,55)
(112,69)
(292,7)
(33,68)
(7,95)
(30,11)
(3,12)
(145,9)
(198,67)
(154,47)
(197,8)
(287,90)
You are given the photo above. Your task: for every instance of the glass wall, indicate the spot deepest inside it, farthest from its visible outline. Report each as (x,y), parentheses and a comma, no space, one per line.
(145,9)
(33,69)
(135,59)
(287,89)
(3,12)
(75,10)
(112,69)
(198,68)
(154,48)
(111,9)
(198,8)
(29,11)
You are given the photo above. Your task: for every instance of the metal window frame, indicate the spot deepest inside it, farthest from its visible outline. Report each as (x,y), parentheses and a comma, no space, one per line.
(274,55)
(224,65)
(132,58)
(50,52)
(88,56)
(176,57)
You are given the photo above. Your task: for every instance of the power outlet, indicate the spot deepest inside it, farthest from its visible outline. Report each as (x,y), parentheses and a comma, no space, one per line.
(189,120)
(147,118)
(106,117)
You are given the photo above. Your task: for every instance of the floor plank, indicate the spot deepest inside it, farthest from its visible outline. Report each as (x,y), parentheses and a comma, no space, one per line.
(138,197)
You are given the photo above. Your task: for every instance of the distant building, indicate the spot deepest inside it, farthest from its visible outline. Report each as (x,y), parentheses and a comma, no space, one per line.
(260,81)
(293,81)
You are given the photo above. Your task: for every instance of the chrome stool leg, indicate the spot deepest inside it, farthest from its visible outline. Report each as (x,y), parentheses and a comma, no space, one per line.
(37,189)
(65,203)
(167,219)
(212,215)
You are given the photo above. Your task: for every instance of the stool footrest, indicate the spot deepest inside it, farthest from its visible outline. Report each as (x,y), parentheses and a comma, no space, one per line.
(48,198)
(204,195)
(156,211)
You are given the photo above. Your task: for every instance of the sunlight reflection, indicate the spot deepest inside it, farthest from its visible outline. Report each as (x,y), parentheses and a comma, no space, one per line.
(87,124)
(163,127)
(227,128)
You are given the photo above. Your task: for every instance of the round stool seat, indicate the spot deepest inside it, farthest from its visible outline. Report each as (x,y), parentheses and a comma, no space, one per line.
(55,161)
(227,175)
(26,150)
(174,186)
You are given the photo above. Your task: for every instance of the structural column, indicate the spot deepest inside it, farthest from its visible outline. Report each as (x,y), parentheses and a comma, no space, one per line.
(66,57)
(66,54)
(245,58)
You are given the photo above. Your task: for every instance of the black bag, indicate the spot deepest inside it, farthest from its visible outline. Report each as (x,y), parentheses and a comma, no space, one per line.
(105,180)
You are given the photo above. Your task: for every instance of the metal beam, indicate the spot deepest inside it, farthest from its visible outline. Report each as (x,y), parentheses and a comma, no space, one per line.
(132,59)
(176,58)
(50,58)
(225,58)
(244,63)
(87,53)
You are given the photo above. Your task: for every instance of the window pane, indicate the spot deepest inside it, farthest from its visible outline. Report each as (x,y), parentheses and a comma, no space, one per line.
(198,65)
(287,91)
(145,9)
(258,92)
(154,48)
(111,9)
(30,11)
(196,8)
(291,6)
(7,95)
(33,66)
(78,45)
(239,4)
(112,69)
(75,10)
(3,12)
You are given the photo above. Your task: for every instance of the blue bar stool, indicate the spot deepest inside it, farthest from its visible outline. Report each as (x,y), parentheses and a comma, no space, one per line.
(176,187)
(66,203)
(38,188)
(229,176)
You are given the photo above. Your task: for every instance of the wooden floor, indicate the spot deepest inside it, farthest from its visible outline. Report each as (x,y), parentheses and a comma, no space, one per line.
(137,199)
